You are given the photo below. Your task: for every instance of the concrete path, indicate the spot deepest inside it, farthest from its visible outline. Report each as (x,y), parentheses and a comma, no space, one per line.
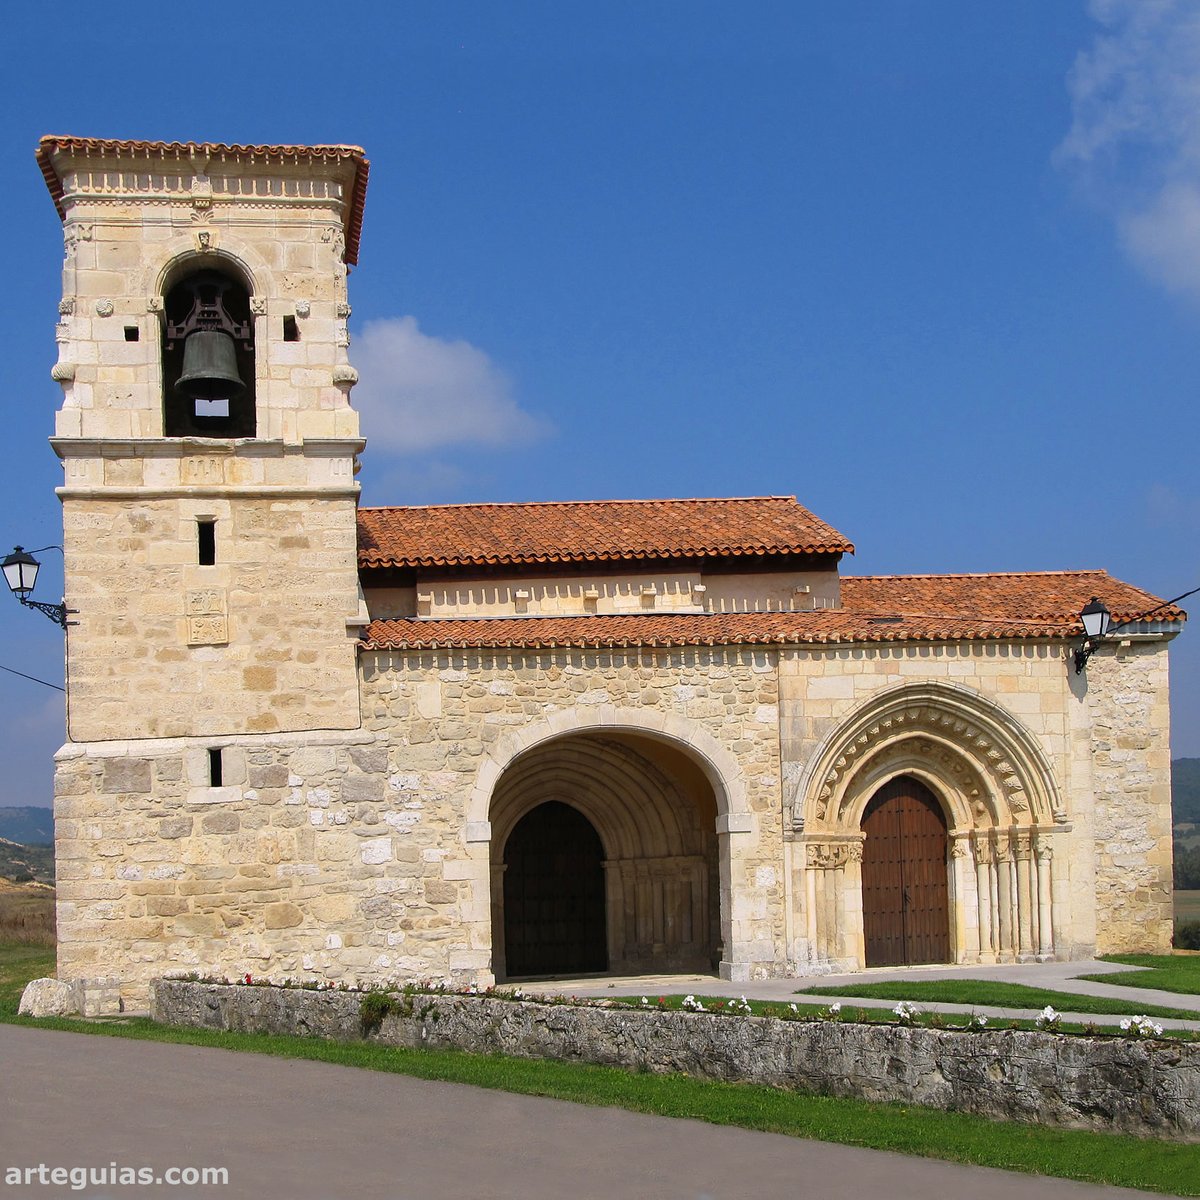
(292,1130)
(1057,976)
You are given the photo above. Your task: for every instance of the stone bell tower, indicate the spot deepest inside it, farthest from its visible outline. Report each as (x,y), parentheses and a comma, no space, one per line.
(207,438)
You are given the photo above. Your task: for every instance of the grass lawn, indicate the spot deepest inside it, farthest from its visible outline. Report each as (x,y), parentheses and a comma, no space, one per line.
(1150,1164)
(1168,972)
(988,993)
(18,965)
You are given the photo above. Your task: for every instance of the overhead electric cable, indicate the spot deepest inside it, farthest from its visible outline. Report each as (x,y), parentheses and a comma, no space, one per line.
(33,678)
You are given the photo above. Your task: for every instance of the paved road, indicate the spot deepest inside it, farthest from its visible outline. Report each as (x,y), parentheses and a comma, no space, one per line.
(310,1131)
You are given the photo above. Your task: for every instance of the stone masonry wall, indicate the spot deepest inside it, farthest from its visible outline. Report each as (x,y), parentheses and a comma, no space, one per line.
(366,855)
(255,643)
(349,856)
(455,713)
(1095,1083)
(1127,701)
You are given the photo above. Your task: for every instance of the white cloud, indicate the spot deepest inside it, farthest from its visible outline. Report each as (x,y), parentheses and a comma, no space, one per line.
(1135,137)
(417,392)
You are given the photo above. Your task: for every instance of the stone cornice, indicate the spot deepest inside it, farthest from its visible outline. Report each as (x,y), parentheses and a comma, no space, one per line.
(206,173)
(273,491)
(79,447)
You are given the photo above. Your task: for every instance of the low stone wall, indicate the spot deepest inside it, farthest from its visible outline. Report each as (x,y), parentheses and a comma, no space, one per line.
(1113,1084)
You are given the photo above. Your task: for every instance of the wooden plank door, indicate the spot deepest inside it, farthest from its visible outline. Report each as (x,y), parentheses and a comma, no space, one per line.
(905,891)
(554,920)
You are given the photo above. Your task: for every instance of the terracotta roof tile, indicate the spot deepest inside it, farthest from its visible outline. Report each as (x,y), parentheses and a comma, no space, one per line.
(1040,595)
(590,531)
(1038,606)
(143,149)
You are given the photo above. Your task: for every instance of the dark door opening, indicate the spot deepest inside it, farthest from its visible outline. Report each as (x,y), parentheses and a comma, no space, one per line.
(554,922)
(905,893)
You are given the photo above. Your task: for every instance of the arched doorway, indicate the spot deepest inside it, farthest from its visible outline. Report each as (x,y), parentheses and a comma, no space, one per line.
(905,890)
(554,920)
(654,813)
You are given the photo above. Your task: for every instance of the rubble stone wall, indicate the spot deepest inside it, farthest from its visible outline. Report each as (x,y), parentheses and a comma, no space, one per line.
(1142,1087)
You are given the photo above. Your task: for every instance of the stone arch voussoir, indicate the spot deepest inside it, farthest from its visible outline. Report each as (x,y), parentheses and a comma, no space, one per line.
(987,769)
(718,763)
(182,253)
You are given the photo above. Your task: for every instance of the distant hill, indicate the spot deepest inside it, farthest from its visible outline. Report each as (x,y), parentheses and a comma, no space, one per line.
(25,863)
(33,826)
(1185,790)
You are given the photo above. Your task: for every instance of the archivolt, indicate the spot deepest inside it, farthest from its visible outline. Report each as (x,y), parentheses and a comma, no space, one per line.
(715,760)
(983,763)
(181,256)
(635,808)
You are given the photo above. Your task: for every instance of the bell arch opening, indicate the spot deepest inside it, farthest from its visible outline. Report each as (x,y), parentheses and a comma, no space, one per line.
(208,355)
(905,876)
(653,813)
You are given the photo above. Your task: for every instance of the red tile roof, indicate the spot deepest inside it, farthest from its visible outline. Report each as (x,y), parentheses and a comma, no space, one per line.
(875,610)
(1035,595)
(590,531)
(111,147)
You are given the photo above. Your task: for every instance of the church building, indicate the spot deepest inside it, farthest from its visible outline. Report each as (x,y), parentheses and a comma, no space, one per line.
(308,739)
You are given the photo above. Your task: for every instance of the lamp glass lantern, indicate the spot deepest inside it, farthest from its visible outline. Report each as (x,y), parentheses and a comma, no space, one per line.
(20,572)
(1096,619)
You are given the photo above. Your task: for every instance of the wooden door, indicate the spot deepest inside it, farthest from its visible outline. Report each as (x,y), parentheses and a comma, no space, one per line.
(906,901)
(554,921)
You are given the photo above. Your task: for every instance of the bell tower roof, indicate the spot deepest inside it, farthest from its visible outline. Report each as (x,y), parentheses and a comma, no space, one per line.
(56,152)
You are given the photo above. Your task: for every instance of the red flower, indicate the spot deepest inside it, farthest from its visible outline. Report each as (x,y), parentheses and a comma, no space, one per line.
(248,979)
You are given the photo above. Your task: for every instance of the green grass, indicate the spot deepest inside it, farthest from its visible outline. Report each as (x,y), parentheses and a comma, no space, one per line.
(1168,972)
(18,965)
(1119,1160)
(987,993)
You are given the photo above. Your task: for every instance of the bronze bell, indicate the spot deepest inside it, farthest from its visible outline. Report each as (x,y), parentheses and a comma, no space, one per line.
(210,367)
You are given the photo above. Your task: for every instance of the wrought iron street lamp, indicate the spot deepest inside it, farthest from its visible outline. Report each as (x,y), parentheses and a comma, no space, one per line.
(1097,625)
(20,573)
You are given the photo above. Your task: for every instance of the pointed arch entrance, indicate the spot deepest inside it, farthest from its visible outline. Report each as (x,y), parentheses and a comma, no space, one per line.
(905,882)
(554,921)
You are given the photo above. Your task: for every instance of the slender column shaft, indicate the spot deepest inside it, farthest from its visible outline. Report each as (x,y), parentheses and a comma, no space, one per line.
(1045,909)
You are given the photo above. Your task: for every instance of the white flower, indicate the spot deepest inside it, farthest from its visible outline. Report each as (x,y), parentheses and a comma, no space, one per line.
(1140,1027)
(692,1004)
(645,1001)
(1048,1018)
(905,1012)
(835,1008)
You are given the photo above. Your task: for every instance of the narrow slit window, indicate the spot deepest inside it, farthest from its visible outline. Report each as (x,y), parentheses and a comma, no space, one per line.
(291,331)
(214,766)
(206,542)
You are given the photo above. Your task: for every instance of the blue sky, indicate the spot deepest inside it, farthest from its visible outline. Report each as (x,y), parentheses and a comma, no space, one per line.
(932,267)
